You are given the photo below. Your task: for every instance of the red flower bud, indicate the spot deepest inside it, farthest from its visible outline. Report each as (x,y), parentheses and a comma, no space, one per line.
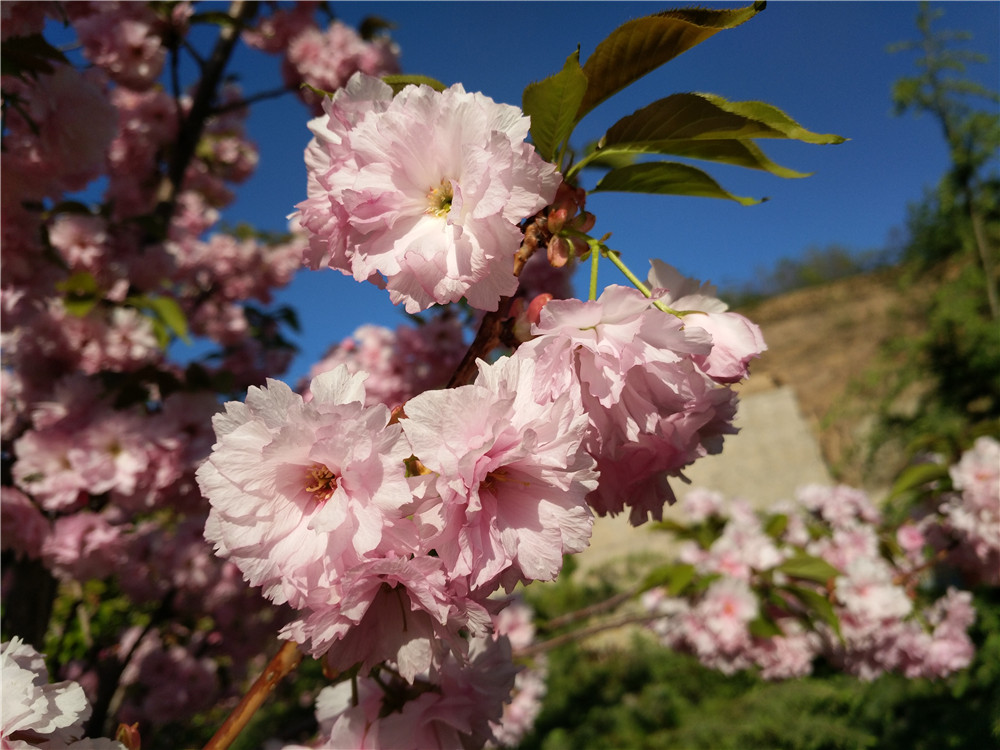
(535,308)
(129,736)
(557,219)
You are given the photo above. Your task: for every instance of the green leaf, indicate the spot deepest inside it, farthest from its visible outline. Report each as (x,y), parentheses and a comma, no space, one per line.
(641,45)
(764,627)
(400,82)
(80,293)
(738,153)
(79,306)
(776,525)
(666,178)
(80,284)
(552,105)
(818,605)
(808,567)
(669,526)
(674,577)
(167,316)
(318,92)
(699,116)
(371,25)
(914,477)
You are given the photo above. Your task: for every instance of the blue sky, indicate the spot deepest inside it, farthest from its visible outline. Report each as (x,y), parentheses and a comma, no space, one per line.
(824,63)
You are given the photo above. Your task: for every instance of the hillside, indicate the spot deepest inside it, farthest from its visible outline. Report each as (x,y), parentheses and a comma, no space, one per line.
(827,344)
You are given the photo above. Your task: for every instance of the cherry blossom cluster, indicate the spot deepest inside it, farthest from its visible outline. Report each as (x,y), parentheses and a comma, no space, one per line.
(432,219)
(970,527)
(810,579)
(379,512)
(389,531)
(110,252)
(401,363)
(314,60)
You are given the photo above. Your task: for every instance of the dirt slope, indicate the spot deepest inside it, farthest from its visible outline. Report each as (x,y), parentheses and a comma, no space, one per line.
(827,343)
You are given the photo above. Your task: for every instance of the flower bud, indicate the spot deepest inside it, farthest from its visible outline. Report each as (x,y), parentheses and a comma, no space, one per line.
(128,735)
(558,251)
(557,220)
(535,308)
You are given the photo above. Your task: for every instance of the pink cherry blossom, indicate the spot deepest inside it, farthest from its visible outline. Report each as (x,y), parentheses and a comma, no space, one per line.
(47,152)
(82,546)
(433,224)
(23,528)
(399,609)
(515,622)
(972,513)
(450,709)
(735,340)
(125,40)
(598,342)
(401,363)
(36,713)
(326,60)
(301,491)
(510,473)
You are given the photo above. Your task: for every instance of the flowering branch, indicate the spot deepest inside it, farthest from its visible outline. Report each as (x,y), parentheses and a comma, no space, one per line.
(287,658)
(487,339)
(187,140)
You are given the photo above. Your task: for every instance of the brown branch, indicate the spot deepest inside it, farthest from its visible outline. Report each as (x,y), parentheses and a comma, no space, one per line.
(559,640)
(240,12)
(252,99)
(487,339)
(287,658)
(491,332)
(594,609)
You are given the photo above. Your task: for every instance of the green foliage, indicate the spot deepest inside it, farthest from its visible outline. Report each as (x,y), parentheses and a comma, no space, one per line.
(400,81)
(943,90)
(933,231)
(553,104)
(666,178)
(693,126)
(641,45)
(642,696)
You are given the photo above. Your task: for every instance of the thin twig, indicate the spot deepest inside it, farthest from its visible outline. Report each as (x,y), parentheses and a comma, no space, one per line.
(594,609)
(559,640)
(247,101)
(201,107)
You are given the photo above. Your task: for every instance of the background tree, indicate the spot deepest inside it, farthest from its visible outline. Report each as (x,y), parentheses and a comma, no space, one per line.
(953,240)
(943,90)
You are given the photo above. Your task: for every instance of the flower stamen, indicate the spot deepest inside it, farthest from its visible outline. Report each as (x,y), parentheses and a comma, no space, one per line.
(439,199)
(321,482)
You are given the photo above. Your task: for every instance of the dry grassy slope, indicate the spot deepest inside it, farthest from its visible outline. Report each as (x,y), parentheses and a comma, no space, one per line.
(824,342)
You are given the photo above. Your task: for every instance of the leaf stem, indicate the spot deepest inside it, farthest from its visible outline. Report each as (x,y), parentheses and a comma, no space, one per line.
(613,257)
(595,257)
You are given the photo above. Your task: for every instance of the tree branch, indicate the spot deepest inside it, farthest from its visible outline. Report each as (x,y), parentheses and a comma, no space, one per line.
(240,12)
(287,658)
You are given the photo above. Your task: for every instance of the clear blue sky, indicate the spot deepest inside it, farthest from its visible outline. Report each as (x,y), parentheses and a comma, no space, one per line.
(824,63)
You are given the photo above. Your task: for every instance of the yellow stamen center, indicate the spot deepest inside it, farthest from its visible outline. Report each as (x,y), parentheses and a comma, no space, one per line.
(321,482)
(439,199)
